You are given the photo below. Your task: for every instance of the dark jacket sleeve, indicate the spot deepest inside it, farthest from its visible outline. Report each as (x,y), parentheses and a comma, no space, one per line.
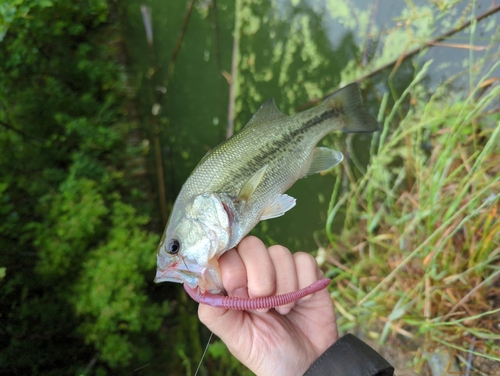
(350,356)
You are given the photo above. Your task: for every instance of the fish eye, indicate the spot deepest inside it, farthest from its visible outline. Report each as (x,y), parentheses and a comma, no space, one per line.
(173,246)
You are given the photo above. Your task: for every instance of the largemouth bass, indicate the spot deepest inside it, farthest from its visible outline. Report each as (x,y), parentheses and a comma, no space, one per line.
(242,181)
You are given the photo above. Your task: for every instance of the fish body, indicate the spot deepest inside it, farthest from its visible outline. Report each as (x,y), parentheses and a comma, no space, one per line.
(242,181)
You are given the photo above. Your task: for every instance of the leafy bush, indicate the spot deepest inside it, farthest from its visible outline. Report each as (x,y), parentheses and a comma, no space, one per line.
(76,260)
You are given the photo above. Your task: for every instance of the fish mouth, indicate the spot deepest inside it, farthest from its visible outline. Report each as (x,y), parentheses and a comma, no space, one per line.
(179,276)
(207,278)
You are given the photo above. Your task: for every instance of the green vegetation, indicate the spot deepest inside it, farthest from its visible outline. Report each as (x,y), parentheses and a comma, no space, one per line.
(412,233)
(418,256)
(76,257)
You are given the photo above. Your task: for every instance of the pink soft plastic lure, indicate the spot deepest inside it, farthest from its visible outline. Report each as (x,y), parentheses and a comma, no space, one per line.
(265,302)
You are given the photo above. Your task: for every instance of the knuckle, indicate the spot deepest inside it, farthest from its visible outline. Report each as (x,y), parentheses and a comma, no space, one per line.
(305,260)
(233,278)
(279,252)
(261,288)
(250,242)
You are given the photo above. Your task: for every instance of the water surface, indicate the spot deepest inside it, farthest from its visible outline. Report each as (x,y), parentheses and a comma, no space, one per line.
(294,51)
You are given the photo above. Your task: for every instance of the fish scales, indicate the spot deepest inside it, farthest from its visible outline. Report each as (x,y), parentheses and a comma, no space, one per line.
(243,181)
(285,155)
(276,148)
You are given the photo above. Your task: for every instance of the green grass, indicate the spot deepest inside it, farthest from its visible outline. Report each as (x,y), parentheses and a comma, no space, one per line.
(418,258)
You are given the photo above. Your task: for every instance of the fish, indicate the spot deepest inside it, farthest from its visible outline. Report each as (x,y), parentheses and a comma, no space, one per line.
(243,181)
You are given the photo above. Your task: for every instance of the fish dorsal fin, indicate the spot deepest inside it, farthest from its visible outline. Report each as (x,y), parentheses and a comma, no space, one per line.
(251,185)
(279,207)
(267,112)
(323,159)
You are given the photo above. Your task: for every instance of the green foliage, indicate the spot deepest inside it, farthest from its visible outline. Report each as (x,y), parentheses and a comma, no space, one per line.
(14,9)
(424,220)
(77,256)
(110,291)
(73,222)
(77,260)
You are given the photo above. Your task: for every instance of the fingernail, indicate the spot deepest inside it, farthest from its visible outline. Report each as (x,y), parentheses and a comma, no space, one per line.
(284,310)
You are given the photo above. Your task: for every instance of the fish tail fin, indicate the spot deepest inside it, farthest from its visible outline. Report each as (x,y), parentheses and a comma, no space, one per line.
(347,103)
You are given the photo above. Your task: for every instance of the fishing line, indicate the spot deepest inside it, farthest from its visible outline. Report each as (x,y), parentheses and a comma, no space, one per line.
(204,352)
(184,263)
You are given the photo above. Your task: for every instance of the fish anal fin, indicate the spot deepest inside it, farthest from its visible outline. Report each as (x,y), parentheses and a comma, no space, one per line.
(251,185)
(267,112)
(280,206)
(323,159)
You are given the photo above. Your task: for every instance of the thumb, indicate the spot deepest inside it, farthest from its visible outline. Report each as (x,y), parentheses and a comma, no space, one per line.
(221,320)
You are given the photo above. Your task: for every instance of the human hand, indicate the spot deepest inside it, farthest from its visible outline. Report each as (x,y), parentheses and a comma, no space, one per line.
(281,341)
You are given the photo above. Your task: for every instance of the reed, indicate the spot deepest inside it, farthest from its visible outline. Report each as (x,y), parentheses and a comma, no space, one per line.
(418,257)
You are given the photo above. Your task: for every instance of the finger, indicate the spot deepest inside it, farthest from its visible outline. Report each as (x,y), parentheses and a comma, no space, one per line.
(307,270)
(234,275)
(222,321)
(259,267)
(286,274)
(234,279)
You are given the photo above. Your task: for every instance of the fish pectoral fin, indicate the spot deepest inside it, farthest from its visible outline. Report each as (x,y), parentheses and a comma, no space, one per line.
(323,159)
(251,185)
(279,207)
